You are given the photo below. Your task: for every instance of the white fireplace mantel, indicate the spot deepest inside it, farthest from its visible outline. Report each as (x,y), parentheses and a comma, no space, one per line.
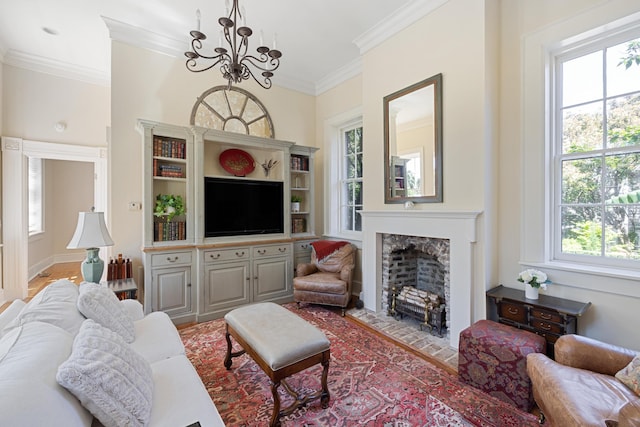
(459,227)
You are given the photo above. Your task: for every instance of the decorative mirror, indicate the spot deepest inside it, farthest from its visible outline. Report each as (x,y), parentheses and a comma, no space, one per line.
(413,143)
(232,110)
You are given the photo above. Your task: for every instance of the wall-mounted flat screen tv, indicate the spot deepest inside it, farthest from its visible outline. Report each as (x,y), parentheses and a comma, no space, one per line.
(236,207)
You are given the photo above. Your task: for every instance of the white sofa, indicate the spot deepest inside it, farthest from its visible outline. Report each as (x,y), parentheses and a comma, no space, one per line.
(37,337)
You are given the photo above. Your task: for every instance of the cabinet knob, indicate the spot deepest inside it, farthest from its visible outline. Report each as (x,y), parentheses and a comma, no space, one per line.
(262,251)
(174,259)
(545,326)
(282,250)
(512,310)
(240,253)
(214,256)
(248,278)
(188,285)
(545,316)
(255,278)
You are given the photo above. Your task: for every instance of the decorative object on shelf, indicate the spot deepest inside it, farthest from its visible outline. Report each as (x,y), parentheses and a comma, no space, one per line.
(268,165)
(168,206)
(232,110)
(533,280)
(91,234)
(295,203)
(237,162)
(235,64)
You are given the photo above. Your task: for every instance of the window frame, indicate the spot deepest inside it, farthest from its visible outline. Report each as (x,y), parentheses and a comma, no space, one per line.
(333,167)
(555,155)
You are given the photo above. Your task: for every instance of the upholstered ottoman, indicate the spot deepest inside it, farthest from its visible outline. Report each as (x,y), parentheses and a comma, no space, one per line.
(493,358)
(282,344)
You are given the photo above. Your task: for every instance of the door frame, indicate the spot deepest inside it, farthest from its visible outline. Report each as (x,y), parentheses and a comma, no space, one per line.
(15,211)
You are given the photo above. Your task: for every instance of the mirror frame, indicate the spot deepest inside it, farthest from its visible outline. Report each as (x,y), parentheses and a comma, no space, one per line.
(436,81)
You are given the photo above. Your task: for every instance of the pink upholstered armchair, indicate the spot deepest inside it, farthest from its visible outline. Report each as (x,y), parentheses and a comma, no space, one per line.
(327,279)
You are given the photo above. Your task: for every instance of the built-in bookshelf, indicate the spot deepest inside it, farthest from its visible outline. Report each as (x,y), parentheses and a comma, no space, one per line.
(301,185)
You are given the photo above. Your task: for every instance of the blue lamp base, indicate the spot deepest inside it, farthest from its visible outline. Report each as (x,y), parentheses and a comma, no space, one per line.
(93,266)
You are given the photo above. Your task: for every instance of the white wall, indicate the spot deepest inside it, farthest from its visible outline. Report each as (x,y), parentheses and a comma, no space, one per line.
(152,86)
(613,315)
(34,102)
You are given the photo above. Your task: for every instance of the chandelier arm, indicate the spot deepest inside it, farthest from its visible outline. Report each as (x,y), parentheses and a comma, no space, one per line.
(267,80)
(263,60)
(192,64)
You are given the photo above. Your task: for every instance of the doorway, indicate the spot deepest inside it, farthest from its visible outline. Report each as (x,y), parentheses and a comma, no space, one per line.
(15,154)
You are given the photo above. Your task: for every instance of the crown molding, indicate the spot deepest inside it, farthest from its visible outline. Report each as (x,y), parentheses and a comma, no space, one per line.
(396,22)
(56,68)
(139,37)
(338,76)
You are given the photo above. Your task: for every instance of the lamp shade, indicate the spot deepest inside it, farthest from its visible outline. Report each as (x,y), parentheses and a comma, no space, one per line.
(91,232)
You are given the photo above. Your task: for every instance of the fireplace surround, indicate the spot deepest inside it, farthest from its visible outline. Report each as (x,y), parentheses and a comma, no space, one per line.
(459,228)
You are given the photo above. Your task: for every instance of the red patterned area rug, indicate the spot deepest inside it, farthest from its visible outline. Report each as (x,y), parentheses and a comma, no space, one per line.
(372,382)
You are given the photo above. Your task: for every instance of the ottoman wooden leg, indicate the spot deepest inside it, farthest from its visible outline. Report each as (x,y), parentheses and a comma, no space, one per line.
(324,398)
(275,417)
(230,354)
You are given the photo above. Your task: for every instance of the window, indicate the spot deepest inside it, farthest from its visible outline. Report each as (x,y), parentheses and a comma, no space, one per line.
(597,152)
(351,179)
(36,196)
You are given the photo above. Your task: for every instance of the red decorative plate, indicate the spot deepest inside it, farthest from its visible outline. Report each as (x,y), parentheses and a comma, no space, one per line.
(237,162)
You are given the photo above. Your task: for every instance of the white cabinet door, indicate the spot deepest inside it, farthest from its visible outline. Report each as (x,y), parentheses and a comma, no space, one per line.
(226,285)
(172,293)
(272,278)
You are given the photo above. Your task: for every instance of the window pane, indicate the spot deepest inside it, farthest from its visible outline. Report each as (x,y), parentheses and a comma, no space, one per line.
(581,231)
(582,79)
(350,143)
(621,79)
(347,223)
(358,172)
(581,180)
(350,167)
(622,232)
(582,128)
(622,175)
(623,121)
(358,220)
(358,140)
(356,187)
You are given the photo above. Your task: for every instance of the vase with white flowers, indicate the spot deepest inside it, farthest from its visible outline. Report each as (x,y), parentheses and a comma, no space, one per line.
(533,280)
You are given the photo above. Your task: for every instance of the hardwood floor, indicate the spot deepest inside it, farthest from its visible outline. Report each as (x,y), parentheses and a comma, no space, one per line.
(65,270)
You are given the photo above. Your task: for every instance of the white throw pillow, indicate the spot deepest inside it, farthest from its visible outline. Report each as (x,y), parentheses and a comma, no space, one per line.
(55,304)
(109,378)
(29,393)
(99,303)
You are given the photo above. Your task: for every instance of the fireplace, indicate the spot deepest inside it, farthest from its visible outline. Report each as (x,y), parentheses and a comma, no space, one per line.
(451,238)
(415,279)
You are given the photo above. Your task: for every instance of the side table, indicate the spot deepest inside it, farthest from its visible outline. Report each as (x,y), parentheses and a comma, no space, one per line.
(123,288)
(547,316)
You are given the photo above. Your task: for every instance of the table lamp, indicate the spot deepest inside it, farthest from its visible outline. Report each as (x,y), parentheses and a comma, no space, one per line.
(91,233)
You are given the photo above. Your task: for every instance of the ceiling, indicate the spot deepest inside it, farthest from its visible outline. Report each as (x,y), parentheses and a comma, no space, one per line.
(321,41)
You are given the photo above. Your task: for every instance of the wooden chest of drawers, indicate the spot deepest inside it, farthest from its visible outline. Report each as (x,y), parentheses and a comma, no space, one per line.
(547,316)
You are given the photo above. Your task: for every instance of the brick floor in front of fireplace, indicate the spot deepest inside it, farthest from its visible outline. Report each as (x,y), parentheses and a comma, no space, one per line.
(408,331)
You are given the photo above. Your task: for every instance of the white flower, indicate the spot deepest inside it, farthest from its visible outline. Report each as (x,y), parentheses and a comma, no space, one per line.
(534,278)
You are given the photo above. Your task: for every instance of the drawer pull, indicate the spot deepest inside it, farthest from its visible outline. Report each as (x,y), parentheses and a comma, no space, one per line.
(546,316)
(240,253)
(282,250)
(545,326)
(512,310)
(216,256)
(174,259)
(262,251)
(304,246)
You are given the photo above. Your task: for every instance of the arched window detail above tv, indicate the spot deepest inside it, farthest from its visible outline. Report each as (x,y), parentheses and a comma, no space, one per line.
(232,110)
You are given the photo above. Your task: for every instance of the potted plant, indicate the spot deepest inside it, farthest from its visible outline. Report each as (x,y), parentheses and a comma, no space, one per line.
(533,280)
(295,203)
(168,205)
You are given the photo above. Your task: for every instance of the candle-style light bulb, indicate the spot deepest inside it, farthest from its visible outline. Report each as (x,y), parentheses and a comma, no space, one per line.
(275,41)
(244,17)
(220,39)
(198,19)
(261,38)
(226,6)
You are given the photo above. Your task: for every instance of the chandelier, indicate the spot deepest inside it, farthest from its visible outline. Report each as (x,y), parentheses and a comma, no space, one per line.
(235,64)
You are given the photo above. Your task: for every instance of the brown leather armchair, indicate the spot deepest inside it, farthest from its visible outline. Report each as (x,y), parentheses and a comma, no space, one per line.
(579,388)
(327,278)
